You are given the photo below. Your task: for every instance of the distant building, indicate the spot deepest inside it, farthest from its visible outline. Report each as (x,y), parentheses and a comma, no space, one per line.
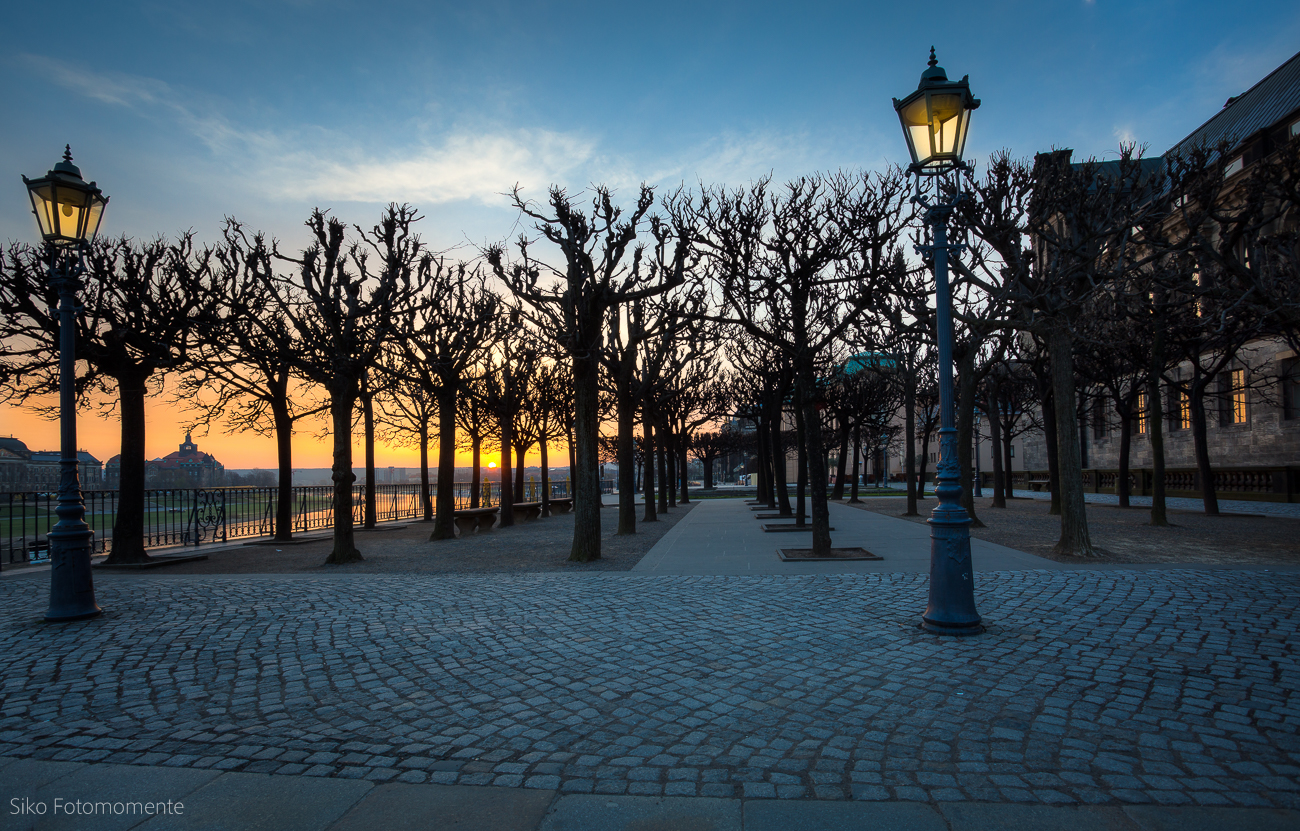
(22,469)
(186,467)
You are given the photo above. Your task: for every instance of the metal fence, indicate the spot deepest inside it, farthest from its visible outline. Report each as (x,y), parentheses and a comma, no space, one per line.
(194,516)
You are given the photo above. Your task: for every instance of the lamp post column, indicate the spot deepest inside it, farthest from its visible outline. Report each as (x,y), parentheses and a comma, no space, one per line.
(951,608)
(72,589)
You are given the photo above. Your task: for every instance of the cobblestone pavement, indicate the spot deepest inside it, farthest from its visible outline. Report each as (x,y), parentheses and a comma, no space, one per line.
(1090,687)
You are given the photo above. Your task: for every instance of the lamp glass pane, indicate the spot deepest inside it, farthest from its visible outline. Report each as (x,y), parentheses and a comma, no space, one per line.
(945,118)
(70,212)
(42,205)
(961,138)
(95,216)
(916,127)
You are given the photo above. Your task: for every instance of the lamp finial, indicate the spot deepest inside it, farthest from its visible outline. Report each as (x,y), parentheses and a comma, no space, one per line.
(67,148)
(933,60)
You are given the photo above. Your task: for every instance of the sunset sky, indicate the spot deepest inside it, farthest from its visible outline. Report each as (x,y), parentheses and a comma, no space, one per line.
(187,112)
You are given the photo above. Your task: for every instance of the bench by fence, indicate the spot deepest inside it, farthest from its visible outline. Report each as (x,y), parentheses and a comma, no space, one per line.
(476,520)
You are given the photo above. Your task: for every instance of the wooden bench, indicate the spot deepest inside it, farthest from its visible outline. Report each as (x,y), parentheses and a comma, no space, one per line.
(1039,484)
(470,520)
(525,511)
(562,505)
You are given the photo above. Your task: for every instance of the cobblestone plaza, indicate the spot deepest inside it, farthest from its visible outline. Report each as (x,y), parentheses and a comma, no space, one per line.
(1170,687)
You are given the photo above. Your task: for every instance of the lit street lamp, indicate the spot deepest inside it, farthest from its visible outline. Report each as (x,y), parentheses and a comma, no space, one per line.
(935,121)
(68,211)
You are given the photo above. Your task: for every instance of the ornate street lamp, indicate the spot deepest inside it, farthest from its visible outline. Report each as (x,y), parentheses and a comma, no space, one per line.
(68,211)
(935,121)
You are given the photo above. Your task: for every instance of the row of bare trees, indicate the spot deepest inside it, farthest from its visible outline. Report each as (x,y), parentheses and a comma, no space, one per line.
(794,308)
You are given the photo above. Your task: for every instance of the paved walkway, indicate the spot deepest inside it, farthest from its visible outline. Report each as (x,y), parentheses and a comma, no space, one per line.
(722,536)
(1097,699)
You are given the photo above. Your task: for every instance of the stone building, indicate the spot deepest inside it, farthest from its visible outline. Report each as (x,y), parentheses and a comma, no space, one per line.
(186,467)
(22,469)
(1253,412)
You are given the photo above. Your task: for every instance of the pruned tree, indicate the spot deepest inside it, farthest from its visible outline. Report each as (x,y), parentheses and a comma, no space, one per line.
(794,268)
(141,306)
(344,299)
(573,307)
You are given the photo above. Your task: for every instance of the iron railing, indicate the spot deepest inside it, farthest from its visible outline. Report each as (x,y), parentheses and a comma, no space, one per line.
(194,516)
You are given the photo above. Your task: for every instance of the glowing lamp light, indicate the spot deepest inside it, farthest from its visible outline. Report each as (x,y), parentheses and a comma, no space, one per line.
(935,119)
(67,209)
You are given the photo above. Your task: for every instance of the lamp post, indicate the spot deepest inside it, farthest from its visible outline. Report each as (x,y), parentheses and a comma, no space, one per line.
(68,211)
(935,120)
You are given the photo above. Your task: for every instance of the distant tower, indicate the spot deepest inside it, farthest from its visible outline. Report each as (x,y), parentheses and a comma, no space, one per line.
(188,446)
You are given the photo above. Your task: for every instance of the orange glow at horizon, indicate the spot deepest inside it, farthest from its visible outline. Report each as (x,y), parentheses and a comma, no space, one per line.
(164,431)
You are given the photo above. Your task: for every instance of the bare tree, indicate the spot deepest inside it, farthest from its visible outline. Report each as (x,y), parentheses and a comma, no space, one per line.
(795,268)
(574,306)
(142,304)
(345,310)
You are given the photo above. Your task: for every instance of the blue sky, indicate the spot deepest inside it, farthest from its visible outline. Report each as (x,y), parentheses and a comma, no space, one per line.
(187,112)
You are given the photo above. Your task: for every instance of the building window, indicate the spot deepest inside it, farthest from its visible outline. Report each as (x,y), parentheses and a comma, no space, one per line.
(1013,450)
(1142,412)
(1234,166)
(1098,419)
(1233,409)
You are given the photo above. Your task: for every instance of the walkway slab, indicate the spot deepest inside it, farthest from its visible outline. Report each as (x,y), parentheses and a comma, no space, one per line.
(720,536)
(785,815)
(401,807)
(639,813)
(261,802)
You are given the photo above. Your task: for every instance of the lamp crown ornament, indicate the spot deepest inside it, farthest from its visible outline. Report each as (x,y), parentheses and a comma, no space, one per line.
(66,166)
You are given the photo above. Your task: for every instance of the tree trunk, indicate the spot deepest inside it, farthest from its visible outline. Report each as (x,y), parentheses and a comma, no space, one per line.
(128,525)
(909,431)
(1074,518)
(546,479)
(586,494)
(821,513)
(1158,515)
(801,460)
(506,425)
(662,438)
(426,493)
(670,465)
(1209,498)
(766,487)
(925,461)
(995,447)
(521,456)
(708,472)
(684,468)
(1009,482)
(284,465)
(841,463)
(368,413)
(857,470)
(779,483)
(342,403)
(648,466)
(475,475)
(1122,489)
(1053,456)
(965,431)
(445,516)
(626,405)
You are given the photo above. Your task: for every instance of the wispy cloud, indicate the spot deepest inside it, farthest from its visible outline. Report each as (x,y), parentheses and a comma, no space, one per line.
(299,162)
